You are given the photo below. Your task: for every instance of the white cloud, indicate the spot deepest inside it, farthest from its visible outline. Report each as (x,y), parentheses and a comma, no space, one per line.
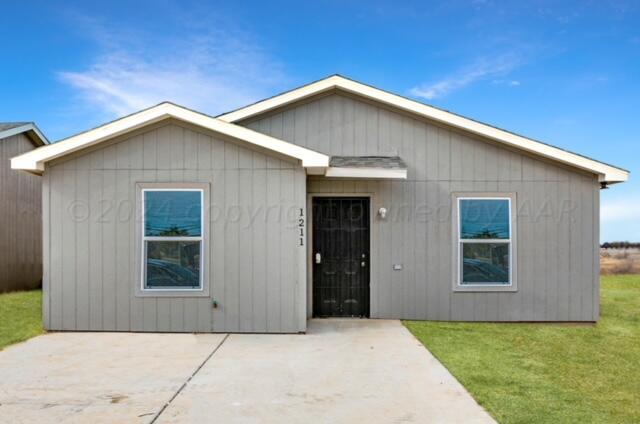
(481,69)
(208,71)
(620,210)
(620,216)
(510,83)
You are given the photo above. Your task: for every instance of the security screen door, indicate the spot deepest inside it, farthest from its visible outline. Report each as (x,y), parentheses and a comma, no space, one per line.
(340,256)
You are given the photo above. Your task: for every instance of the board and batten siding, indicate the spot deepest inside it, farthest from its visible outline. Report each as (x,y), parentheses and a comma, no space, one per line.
(256,267)
(20,220)
(557,213)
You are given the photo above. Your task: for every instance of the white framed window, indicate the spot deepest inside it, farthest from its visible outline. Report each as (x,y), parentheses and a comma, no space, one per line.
(172,239)
(485,242)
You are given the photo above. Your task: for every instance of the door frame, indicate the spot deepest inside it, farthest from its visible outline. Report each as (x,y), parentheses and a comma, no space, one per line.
(310,263)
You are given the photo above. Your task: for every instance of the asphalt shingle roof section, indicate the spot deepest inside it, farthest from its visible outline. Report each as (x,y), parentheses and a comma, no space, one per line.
(384,162)
(9,125)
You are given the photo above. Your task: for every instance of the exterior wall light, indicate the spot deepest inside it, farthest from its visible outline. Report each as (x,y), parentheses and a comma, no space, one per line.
(382,212)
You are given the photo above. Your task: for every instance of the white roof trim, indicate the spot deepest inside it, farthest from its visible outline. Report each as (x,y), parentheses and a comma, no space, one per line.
(35,160)
(374,173)
(607,173)
(28,127)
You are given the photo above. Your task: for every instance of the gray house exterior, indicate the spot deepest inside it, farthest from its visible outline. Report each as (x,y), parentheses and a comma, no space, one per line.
(20,210)
(334,199)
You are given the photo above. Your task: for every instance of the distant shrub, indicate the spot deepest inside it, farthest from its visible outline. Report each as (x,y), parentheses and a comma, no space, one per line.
(620,245)
(620,262)
(621,255)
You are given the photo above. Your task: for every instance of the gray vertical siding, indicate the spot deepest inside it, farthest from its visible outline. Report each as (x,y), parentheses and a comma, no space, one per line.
(557,213)
(20,220)
(256,268)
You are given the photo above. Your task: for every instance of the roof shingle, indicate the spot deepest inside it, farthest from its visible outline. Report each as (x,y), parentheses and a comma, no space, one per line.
(385,162)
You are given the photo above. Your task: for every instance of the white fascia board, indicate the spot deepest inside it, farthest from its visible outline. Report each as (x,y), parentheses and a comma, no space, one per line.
(284,99)
(372,173)
(35,160)
(606,173)
(25,128)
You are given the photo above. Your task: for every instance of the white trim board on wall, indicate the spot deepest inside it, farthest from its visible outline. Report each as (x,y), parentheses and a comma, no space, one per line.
(369,173)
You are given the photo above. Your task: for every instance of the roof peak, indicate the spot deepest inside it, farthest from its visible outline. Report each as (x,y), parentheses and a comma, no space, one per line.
(35,160)
(605,172)
(8,129)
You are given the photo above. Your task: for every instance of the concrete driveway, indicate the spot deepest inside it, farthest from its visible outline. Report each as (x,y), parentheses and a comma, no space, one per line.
(341,371)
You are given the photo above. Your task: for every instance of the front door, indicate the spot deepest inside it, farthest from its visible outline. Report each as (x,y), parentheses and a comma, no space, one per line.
(340,256)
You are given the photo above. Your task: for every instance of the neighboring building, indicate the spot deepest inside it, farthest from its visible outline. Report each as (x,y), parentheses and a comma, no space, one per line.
(334,199)
(20,210)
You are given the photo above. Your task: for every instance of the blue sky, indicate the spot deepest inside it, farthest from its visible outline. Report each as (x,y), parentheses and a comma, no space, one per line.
(565,73)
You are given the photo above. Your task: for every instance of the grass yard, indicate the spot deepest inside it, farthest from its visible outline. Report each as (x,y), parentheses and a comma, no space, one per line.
(20,316)
(546,373)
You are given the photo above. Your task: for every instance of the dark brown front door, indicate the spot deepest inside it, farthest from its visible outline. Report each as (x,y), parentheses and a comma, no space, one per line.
(340,257)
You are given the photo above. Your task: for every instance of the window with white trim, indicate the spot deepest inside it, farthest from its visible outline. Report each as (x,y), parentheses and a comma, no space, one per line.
(172,239)
(484,242)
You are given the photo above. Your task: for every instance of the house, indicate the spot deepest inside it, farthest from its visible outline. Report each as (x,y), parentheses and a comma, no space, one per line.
(20,210)
(333,199)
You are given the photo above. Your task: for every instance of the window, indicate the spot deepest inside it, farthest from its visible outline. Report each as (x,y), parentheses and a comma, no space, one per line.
(484,242)
(172,239)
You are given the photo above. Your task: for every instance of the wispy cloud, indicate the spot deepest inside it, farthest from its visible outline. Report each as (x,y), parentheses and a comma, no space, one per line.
(588,81)
(482,69)
(620,217)
(205,70)
(620,210)
(509,83)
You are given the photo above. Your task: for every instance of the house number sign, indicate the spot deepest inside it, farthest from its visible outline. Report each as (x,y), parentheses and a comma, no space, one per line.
(301,226)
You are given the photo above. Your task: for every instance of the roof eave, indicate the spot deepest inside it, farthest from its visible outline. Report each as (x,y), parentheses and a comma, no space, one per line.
(605,172)
(281,100)
(32,130)
(26,164)
(368,173)
(36,159)
(614,177)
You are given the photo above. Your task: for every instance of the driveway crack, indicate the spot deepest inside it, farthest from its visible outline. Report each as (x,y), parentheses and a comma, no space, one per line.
(175,395)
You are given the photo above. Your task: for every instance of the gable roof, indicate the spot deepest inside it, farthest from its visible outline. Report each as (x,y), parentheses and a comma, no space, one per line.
(607,173)
(8,129)
(34,161)
(4,126)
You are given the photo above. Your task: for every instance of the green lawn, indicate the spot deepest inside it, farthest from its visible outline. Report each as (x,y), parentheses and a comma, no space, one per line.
(546,373)
(20,316)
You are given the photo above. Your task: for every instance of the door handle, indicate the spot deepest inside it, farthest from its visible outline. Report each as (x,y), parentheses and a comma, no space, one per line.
(318,258)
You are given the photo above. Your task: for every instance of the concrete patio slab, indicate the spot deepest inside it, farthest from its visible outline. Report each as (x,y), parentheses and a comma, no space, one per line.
(97,377)
(342,371)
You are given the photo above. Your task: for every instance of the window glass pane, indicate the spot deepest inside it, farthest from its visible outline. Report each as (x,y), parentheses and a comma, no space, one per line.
(173,264)
(172,213)
(484,263)
(484,219)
